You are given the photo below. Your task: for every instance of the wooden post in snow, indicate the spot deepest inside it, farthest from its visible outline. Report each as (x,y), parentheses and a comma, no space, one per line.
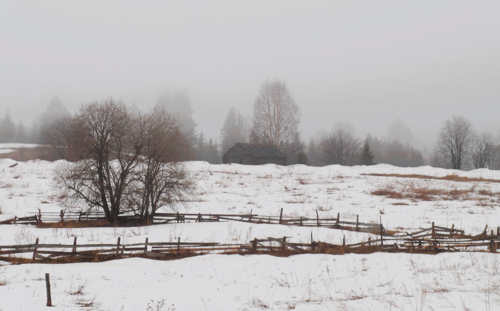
(178,245)
(47,285)
(74,246)
(338,219)
(146,245)
(357,222)
(36,247)
(118,246)
(317,218)
(281,215)
(250,217)
(62,215)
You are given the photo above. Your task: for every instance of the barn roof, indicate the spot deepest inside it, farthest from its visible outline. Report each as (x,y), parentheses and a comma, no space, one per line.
(262,150)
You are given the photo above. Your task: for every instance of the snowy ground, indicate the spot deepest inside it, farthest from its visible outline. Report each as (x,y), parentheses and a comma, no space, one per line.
(8,148)
(258,282)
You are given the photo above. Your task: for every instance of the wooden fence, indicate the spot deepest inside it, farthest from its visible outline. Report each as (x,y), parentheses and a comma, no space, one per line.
(432,240)
(165,218)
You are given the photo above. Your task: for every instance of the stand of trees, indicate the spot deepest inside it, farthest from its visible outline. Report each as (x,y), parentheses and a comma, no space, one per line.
(128,163)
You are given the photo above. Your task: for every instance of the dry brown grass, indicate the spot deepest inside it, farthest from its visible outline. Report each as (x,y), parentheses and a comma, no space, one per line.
(26,154)
(452,177)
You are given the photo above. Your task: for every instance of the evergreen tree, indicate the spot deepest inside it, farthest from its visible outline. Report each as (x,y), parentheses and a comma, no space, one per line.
(55,110)
(212,154)
(179,104)
(7,129)
(200,147)
(233,130)
(367,155)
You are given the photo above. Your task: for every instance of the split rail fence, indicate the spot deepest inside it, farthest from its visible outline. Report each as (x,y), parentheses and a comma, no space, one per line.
(431,240)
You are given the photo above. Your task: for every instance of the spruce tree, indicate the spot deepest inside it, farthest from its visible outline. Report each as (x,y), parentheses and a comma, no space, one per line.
(367,155)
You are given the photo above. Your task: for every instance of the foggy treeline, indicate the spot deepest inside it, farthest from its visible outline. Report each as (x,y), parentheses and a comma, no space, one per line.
(276,121)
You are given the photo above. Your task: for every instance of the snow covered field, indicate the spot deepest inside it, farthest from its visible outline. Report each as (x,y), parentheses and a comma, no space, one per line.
(380,281)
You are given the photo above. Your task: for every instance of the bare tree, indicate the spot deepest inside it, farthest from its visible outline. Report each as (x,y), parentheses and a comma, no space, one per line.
(482,151)
(160,180)
(276,118)
(112,147)
(65,135)
(454,142)
(339,147)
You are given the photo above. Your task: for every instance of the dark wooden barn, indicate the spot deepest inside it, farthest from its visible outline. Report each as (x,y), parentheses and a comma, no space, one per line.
(254,154)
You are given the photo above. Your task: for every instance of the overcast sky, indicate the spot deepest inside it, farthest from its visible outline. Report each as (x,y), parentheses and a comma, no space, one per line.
(368,63)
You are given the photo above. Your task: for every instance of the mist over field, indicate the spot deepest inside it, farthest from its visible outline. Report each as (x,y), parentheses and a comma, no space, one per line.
(368,64)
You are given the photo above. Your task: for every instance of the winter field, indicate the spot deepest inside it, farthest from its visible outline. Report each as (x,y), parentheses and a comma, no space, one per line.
(403,199)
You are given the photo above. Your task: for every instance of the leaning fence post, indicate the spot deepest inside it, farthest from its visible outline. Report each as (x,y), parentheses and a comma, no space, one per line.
(36,247)
(47,285)
(281,215)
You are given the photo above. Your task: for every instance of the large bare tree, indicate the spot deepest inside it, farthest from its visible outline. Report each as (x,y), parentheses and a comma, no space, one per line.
(111,148)
(454,142)
(276,118)
(339,147)
(161,180)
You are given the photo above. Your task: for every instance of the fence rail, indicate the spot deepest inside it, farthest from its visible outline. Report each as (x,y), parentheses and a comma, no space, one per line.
(165,218)
(431,240)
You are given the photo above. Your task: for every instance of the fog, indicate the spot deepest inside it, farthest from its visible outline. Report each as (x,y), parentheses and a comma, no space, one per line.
(368,63)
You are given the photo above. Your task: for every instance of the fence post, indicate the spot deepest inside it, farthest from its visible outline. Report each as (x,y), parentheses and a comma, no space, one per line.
(357,222)
(283,245)
(343,241)
(146,245)
(36,247)
(39,215)
(317,218)
(433,232)
(62,215)
(369,241)
(74,245)
(178,218)
(381,235)
(118,247)
(250,217)
(338,219)
(47,285)
(178,245)
(281,215)
(254,245)
(451,231)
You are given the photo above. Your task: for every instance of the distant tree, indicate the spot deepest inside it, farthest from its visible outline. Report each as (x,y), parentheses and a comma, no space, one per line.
(482,150)
(302,158)
(312,153)
(7,129)
(233,130)
(212,154)
(276,118)
(366,155)
(398,154)
(339,147)
(21,135)
(179,104)
(54,111)
(453,146)
(200,147)
(399,132)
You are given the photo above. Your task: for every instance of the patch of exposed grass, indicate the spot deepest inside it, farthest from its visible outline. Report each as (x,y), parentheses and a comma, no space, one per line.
(452,177)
